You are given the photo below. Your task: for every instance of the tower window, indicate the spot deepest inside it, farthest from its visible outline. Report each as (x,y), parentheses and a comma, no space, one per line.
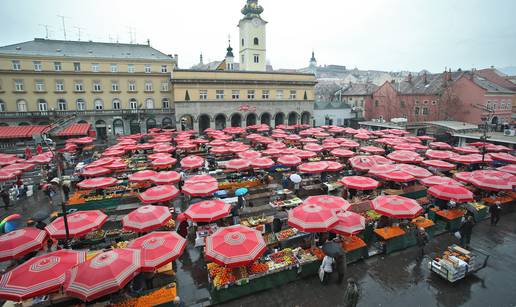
(256,58)
(242,41)
(256,41)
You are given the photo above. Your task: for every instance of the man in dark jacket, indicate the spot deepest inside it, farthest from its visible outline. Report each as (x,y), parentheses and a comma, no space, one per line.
(422,240)
(466,229)
(495,210)
(352,294)
(341,265)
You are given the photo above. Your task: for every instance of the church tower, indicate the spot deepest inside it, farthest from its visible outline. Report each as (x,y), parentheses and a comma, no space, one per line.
(230,58)
(252,38)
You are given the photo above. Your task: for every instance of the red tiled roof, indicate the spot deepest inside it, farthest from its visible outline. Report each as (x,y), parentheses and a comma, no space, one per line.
(14,132)
(75,130)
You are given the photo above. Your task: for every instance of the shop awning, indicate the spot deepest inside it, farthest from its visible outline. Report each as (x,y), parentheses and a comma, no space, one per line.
(15,132)
(75,130)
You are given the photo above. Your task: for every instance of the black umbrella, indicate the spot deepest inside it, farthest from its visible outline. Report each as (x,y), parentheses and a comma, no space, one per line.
(40,216)
(332,249)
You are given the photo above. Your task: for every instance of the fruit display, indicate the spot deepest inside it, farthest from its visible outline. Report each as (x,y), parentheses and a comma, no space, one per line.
(255,221)
(257,268)
(231,184)
(171,224)
(317,252)
(281,260)
(304,255)
(112,233)
(121,244)
(478,206)
(269,238)
(161,296)
(371,216)
(286,203)
(95,235)
(286,234)
(220,275)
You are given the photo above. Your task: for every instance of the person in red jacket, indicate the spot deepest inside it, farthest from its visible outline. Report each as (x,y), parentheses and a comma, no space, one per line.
(39,149)
(28,154)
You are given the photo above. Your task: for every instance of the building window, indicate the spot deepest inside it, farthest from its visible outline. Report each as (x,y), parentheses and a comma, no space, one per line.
(376,103)
(78,86)
(494,105)
(509,105)
(416,102)
(425,102)
(203,94)
(130,68)
(256,58)
(42,105)
(165,103)
(242,41)
(115,87)
(60,86)
(21,106)
(37,65)
(40,86)
(77,67)
(293,95)
(434,102)
(219,94)
(2,106)
(502,105)
(148,86)
(61,105)
(425,111)
(133,104)
(265,94)
(235,94)
(146,68)
(402,104)
(97,86)
(256,41)
(149,104)
(164,86)
(132,86)
(114,68)
(19,86)
(57,66)
(279,94)
(416,111)
(250,94)
(99,105)
(164,68)
(116,104)
(81,105)
(95,67)
(16,65)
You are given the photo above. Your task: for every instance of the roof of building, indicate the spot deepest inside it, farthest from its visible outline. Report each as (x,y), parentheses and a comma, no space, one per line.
(452,125)
(497,77)
(498,137)
(60,48)
(423,84)
(75,130)
(17,132)
(330,105)
(357,89)
(489,86)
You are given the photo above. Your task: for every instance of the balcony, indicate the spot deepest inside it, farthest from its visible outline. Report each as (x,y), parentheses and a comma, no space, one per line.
(59,114)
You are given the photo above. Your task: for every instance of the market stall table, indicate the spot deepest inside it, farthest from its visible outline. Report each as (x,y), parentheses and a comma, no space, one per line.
(393,238)
(355,247)
(452,217)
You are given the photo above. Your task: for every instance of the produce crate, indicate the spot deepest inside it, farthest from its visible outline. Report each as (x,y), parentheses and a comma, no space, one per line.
(356,255)
(395,244)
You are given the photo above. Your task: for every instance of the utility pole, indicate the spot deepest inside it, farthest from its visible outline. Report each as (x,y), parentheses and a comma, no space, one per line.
(64,25)
(46,30)
(79,32)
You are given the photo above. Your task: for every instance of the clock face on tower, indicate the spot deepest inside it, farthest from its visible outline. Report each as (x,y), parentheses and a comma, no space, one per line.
(256,22)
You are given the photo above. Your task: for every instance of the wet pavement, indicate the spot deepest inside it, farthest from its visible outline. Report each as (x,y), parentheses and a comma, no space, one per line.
(399,280)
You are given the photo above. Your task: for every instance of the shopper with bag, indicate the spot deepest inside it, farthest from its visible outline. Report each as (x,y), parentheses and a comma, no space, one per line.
(466,230)
(326,269)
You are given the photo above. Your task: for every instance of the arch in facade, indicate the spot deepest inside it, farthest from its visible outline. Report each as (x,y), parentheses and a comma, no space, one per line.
(220,121)
(42,105)
(82,122)
(134,126)
(98,104)
(204,122)
(495,120)
(118,127)
(101,128)
(24,124)
(44,123)
(279,119)
(236,120)
(149,103)
(292,118)
(186,122)
(151,123)
(4,124)
(250,119)
(305,118)
(166,123)
(265,118)
(21,105)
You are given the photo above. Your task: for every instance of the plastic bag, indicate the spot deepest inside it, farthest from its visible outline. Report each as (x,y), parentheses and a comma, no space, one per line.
(457,235)
(321,273)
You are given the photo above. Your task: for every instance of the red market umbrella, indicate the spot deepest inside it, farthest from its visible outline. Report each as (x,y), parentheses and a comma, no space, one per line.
(161,193)
(328,202)
(200,178)
(313,167)
(83,140)
(159,155)
(40,275)
(293,137)
(466,150)
(504,157)
(438,164)
(312,218)
(405,156)
(22,167)
(163,148)
(200,188)
(8,174)
(219,150)
(334,166)
(342,153)
(278,145)
(330,146)
(396,206)
(186,146)
(263,163)
(142,176)
(166,177)
(463,176)
(396,176)
(95,171)
(237,164)
(97,183)
(249,154)
(105,273)
(511,169)
(382,169)
(192,162)
(404,147)
(158,248)
(113,153)
(272,152)
(208,211)
(456,193)
(235,246)
(372,150)
(414,170)
(146,218)
(364,163)
(101,162)
(80,223)
(117,165)
(289,160)
(145,146)
(313,147)
(426,138)
(20,242)
(439,154)
(163,162)
(348,223)
(41,159)
(492,180)
(436,180)
(359,183)
(440,145)
(305,154)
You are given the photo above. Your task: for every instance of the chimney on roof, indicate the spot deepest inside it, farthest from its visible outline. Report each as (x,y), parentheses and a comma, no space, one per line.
(449,75)
(409,78)
(176,58)
(425,79)
(148,42)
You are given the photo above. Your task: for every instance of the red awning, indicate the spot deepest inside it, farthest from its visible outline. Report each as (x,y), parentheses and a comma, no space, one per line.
(75,130)
(14,132)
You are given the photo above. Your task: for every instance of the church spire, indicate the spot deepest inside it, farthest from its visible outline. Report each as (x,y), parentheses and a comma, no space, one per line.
(229,52)
(252,9)
(200,59)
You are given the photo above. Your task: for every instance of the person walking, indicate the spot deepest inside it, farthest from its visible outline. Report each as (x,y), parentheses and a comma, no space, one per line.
(495,211)
(27,153)
(5,197)
(352,294)
(39,149)
(422,239)
(341,266)
(466,230)
(326,269)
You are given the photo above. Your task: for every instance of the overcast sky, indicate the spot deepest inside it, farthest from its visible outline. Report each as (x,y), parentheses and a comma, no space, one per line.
(368,34)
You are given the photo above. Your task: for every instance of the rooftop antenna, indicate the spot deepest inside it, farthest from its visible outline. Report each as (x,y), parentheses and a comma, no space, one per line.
(79,32)
(64,25)
(131,32)
(110,38)
(46,30)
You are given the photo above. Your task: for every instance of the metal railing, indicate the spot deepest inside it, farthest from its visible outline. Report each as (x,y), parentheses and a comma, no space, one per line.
(54,113)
